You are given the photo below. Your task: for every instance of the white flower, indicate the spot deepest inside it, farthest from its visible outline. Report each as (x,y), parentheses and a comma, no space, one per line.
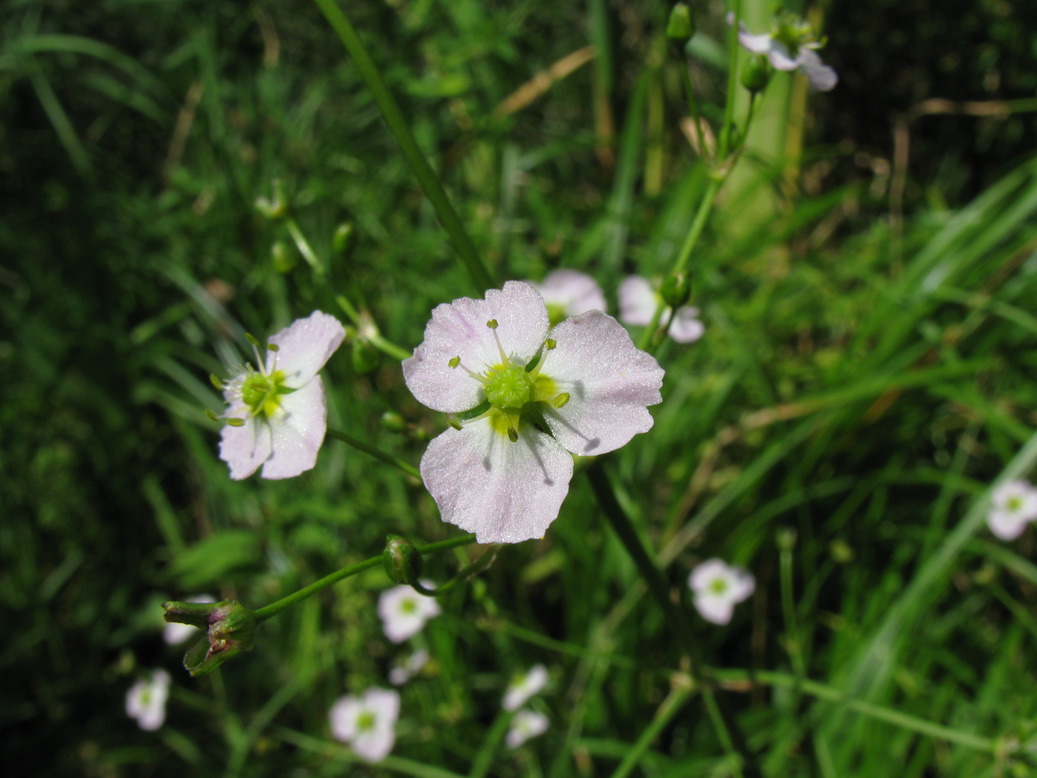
(524,686)
(146,700)
(1014,504)
(367,723)
(525,724)
(174,632)
(277,416)
(570,293)
(718,587)
(404,612)
(410,667)
(638,300)
(500,474)
(790,47)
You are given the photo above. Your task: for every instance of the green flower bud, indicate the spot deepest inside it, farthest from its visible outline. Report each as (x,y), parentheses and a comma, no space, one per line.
(277,206)
(343,239)
(402,560)
(681,26)
(392,421)
(229,628)
(676,290)
(756,73)
(284,258)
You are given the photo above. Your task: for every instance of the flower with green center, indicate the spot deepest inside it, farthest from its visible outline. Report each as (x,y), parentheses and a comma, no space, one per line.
(570,293)
(367,723)
(718,587)
(525,725)
(277,414)
(1013,506)
(146,700)
(791,46)
(525,686)
(638,299)
(529,399)
(404,612)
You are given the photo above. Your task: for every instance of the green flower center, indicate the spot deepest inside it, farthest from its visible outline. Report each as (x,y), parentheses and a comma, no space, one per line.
(408,606)
(365,721)
(509,387)
(262,393)
(718,586)
(1014,503)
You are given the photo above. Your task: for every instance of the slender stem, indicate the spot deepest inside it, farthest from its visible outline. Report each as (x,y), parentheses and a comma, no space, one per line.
(464,574)
(304,246)
(398,125)
(484,758)
(670,707)
(377,453)
(732,81)
(786,539)
(721,728)
(689,93)
(369,332)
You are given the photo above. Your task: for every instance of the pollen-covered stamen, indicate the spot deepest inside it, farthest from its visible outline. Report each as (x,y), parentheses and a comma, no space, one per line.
(512,434)
(455,362)
(492,324)
(549,345)
(560,400)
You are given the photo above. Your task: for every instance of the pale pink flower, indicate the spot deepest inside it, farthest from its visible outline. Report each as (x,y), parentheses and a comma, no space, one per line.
(367,723)
(570,293)
(1013,506)
(525,725)
(638,299)
(718,587)
(404,612)
(146,700)
(791,46)
(525,686)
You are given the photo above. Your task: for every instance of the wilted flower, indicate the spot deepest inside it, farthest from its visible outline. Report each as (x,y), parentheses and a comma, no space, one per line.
(1013,505)
(410,667)
(791,46)
(570,293)
(277,415)
(175,632)
(404,612)
(229,626)
(146,700)
(367,723)
(524,686)
(525,724)
(499,473)
(638,299)
(718,587)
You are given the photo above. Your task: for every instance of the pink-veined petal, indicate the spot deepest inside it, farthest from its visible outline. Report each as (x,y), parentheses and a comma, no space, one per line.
(297,431)
(822,78)
(245,448)
(574,291)
(637,301)
(610,383)
(458,329)
(717,610)
(304,346)
(686,327)
(502,491)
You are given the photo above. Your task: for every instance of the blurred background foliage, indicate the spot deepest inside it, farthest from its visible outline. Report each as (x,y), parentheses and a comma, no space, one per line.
(867,372)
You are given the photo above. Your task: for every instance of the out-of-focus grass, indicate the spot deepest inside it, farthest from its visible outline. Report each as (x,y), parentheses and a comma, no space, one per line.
(862,387)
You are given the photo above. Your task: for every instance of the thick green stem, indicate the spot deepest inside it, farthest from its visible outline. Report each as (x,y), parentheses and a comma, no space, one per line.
(377,453)
(398,125)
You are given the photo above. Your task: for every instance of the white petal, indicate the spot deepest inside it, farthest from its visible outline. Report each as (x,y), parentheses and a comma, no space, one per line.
(717,610)
(524,725)
(297,431)
(399,622)
(742,584)
(686,327)
(374,745)
(574,291)
(1006,525)
(385,703)
(780,57)
(502,491)
(821,77)
(519,691)
(304,347)
(245,448)
(757,44)
(343,716)
(459,329)
(609,382)
(707,572)
(637,301)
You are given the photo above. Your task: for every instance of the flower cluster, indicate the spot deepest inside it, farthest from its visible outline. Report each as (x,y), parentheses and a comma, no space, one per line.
(404,612)
(367,723)
(532,397)
(718,587)
(146,700)
(526,723)
(1013,506)
(277,413)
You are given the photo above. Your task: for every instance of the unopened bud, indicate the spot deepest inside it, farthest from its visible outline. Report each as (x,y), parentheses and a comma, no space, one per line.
(284,258)
(343,238)
(681,25)
(676,290)
(229,627)
(756,73)
(277,206)
(402,560)
(392,421)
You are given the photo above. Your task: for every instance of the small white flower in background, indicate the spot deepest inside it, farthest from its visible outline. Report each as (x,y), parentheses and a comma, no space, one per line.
(790,47)
(367,723)
(718,587)
(638,299)
(410,667)
(570,293)
(174,632)
(404,612)
(500,474)
(146,700)
(524,686)
(525,724)
(277,416)
(1013,506)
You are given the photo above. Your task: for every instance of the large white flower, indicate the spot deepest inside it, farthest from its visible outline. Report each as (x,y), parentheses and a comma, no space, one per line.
(584,388)
(404,612)
(718,587)
(638,299)
(570,293)
(525,724)
(277,415)
(1013,506)
(524,686)
(146,700)
(790,47)
(367,723)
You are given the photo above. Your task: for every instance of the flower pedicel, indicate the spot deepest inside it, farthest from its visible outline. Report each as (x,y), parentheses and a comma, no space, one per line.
(537,397)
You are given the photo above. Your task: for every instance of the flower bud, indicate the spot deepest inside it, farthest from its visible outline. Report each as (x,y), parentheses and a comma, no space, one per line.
(756,73)
(676,289)
(402,560)
(681,25)
(284,258)
(277,206)
(343,238)
(393,422)
(229,629)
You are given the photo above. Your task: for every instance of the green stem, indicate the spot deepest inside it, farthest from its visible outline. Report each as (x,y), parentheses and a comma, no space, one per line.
(732,81)
(670,707)
(398,125)
(689,93)
(723,735)
(473,569)
(369,332)
(304,246)
(377,453)
(786,539)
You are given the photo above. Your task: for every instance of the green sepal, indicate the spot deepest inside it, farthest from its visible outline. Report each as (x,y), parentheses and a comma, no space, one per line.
(229,627)
(402,561)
